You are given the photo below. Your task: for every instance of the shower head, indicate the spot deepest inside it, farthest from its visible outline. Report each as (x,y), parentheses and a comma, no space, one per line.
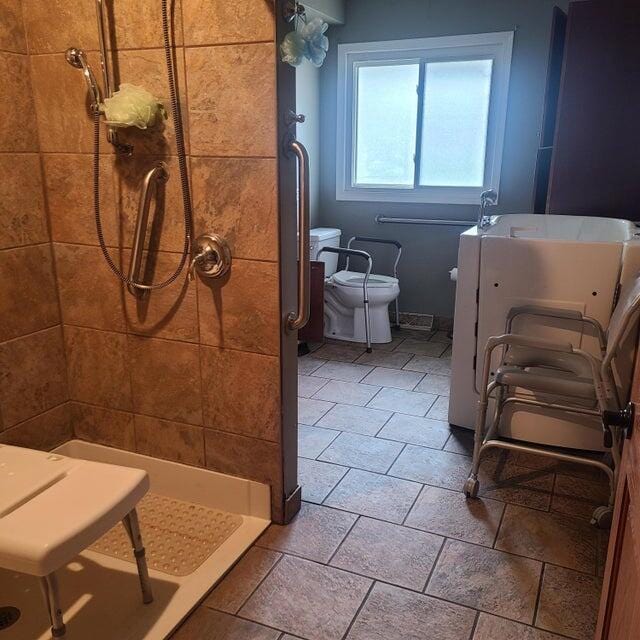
(78,59)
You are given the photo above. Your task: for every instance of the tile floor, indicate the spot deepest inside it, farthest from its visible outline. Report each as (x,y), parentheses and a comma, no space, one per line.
(386,547)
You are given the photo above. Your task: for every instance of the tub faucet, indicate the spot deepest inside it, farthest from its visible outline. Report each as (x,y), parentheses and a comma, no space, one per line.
(487,198)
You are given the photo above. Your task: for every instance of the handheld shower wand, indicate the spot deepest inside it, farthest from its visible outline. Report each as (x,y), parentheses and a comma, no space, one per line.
(78,59)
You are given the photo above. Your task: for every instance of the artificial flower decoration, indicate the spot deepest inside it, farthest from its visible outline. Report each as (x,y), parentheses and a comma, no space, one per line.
(308,42)
(133,106)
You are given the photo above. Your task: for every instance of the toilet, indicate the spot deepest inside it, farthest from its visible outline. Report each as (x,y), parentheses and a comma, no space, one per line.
(344,317)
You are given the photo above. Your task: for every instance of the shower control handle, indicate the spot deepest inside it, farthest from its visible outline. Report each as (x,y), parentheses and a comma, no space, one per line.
(212,257)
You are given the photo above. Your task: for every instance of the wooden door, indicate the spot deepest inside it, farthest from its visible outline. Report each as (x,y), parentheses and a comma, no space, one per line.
(619,617)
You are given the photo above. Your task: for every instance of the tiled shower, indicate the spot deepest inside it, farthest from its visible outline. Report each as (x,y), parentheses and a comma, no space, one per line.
(178,375)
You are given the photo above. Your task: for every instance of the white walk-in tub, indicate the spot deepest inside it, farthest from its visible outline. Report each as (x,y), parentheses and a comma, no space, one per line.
(569,262)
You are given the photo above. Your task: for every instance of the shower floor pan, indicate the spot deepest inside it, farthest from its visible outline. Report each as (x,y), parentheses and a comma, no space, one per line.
(195,523)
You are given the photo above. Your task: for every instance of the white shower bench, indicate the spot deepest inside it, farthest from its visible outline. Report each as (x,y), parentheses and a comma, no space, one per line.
(53,507)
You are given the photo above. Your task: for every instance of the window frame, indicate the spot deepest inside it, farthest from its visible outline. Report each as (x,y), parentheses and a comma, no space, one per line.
(496,46)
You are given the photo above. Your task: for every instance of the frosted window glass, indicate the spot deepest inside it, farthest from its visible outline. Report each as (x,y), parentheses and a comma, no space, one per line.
(386,124)
(455,118)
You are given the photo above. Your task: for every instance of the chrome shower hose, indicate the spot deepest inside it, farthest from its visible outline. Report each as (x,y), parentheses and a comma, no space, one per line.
(182,165)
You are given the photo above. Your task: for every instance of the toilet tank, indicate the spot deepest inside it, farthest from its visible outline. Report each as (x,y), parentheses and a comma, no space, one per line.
(324,237)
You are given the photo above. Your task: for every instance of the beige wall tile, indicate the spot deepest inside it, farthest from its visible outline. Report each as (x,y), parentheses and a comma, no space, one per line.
(62,104)
(166,379)
(28,300)
(232,100)
(32,375)
(12,36)
(241,456)
(236,197)
(22,212)
(139,24)
(169,440)
(241,311)
(90,293)
(104,426)
(45,432)
(98,367)
(165,228)
(147,68)
(69,184)
(208,22)
(18,130)
(171,312)
(241,392)
(57,24)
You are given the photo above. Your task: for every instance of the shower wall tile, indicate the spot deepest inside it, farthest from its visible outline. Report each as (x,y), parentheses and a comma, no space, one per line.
(32,375)
(12,36)
(55,25)
(147,67)
(169,440)
(90,294)
(242,311)
(18,128)
(45,432)
(232,100)
(98,367)
(241,392)
(23,218)
(28,300)
(68,183)
(165,377)
(207,22)
(139,24)
(237,197)
(171,312)
(62,106)
(104,426)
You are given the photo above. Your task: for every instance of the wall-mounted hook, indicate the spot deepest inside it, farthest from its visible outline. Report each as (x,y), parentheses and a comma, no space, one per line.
(292,10)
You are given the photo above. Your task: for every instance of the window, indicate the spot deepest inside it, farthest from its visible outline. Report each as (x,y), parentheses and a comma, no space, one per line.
(422,120)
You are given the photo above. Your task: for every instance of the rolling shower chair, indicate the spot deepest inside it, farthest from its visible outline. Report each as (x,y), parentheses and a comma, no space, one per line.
(578,382)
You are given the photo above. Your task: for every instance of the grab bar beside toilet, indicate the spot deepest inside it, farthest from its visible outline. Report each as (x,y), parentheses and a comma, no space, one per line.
(398,246)
(365,282)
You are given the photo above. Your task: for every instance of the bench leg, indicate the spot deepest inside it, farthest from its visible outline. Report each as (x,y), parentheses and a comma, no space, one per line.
(51,595)
(130,523)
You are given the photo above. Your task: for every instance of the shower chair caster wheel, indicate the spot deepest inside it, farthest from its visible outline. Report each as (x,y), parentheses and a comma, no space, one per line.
(602,517)
(471,488)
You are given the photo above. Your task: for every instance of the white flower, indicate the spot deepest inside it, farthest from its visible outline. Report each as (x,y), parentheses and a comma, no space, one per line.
(293,48)
(317,43)
(133,106)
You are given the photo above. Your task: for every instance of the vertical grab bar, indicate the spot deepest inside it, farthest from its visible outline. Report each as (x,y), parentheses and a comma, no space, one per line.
(298,319)
(156,175)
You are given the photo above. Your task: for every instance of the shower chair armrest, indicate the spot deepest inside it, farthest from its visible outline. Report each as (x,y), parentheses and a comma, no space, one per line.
(395,243)
(561,314)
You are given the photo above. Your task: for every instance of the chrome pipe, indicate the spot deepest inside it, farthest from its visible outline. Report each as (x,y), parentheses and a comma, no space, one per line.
(297,320)
(155,176)
(423,221)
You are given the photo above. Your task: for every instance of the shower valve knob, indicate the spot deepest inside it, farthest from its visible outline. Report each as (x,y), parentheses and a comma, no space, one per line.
(212,257)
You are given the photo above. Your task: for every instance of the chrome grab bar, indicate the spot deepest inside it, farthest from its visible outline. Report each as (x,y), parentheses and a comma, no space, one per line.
(298,319)
(398,246)
(159,174)
(112,134)
(424,221)
(365,283)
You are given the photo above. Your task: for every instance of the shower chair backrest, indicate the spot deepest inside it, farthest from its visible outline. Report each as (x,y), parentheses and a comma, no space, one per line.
(624,317)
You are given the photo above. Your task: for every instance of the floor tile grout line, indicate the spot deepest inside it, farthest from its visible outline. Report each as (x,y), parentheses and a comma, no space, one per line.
(538,595)
(357,613)
(386,473)
(335,552)
(433,568)
(386,422)
(475,625)
(499,527)
(413,504)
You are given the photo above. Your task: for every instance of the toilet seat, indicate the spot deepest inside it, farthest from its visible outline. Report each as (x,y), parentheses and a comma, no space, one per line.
(356,279)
